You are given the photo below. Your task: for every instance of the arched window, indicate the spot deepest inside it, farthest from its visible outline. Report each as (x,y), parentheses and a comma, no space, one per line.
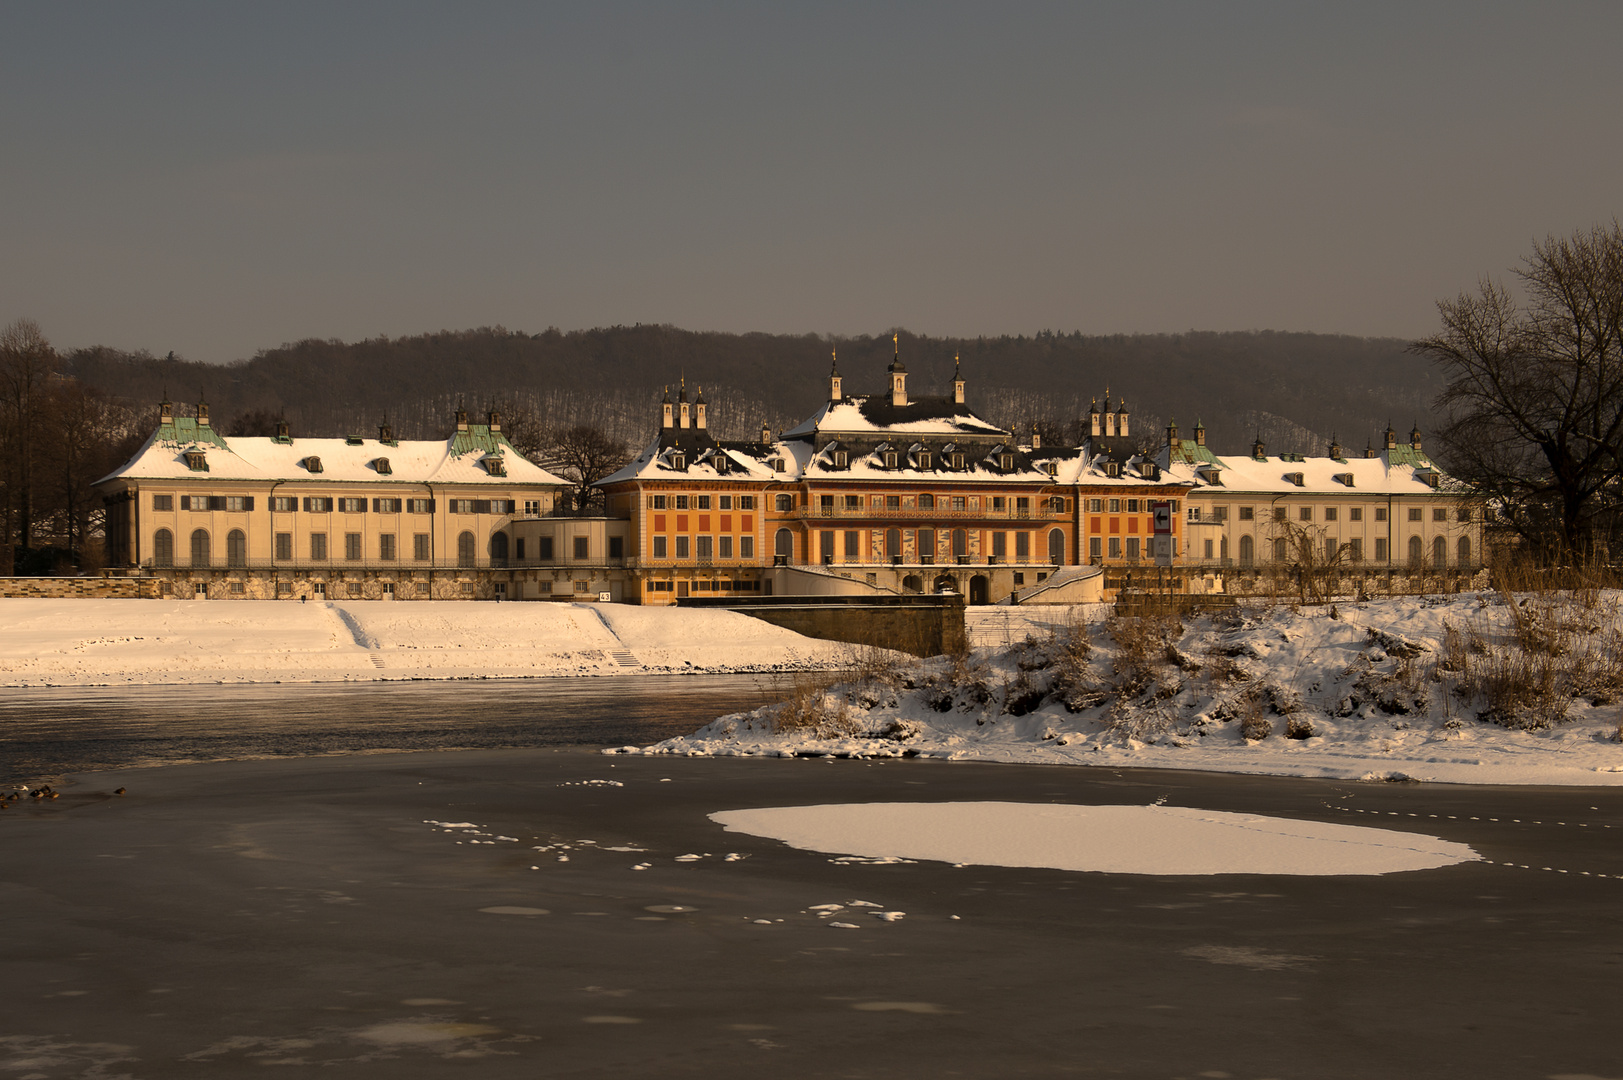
(200,547)
(784,544)
(1056,546)
(1417,551)
(1464,548)
(163,548)
(960,542)
(466,551)
(236,548)
(1248,550)
(498,547)
(1439,553)
(893,543)
(1279,549)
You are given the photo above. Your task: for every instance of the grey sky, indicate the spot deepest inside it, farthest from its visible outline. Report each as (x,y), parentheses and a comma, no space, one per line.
(219,178)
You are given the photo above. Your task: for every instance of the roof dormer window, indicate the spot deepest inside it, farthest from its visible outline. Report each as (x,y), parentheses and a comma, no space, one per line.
(381,466)
(1005,462)
(1051,468)
(494,465)
(1345,478)
(197,461)
(722,463)
(1296,478)
(957,461)
(312,464)
(924,459)
(890,459)
(1112,469)
(679,462)
(841,459)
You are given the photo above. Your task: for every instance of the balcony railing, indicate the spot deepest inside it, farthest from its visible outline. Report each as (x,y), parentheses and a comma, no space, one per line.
(925,514)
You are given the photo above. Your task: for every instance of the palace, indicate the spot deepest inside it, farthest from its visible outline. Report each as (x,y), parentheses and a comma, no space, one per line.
(878,493)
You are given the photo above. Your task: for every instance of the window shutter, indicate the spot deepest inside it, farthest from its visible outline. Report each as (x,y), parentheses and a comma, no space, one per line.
(185,502)
(307,504)
(376,509)
(249,502)
(481,506)
(431,505)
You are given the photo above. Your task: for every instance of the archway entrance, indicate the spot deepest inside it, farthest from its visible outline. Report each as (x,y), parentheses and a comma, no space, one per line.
(944,584)
(978,586)
(912,583)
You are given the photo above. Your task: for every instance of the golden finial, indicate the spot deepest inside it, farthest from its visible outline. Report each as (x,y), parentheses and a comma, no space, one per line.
(896,340)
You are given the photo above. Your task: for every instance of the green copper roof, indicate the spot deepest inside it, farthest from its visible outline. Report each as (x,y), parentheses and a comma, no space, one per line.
(1191,451)
(1407,455)
(480,439)
(186,431)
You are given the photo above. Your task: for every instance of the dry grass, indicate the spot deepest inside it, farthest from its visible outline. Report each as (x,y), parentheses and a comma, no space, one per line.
(812,710)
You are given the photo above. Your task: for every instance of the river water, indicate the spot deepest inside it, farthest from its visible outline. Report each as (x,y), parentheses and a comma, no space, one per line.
(46,733)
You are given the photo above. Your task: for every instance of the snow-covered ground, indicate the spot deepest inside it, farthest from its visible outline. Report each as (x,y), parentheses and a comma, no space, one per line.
(1389,689)
(100,642)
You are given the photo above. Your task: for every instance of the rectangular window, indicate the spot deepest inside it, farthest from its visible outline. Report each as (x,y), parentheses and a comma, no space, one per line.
(238,504)
(656,502)
(1415,514)
(853,546)
(284,547)
(1132,506)
(726,501)
(1439,514)
(1095,545)
(661,548)
(957,502)
(1247,513)
(704,502)
(386,547)
(1380,513)
(532,507)
(746,502)
(704,547)
(1000,544)
(386,506)
(1208,552)
(284,504)
(999,502)
(724,547)
(1463,514)
(461,506)
(501,506)
(317,504)
(543,546)
(420,506)
(617,547)
(518,549)
(1132,548)
(318,547)
(284,588)
(1380,549)
(352,546)
(419,547)
(1115,506)
(1355,513)
(1022,546)
(746,547)
(583,586)
(583,547)
(1220,513)
(1355,550)
(352,506)
(422,588)
(163,502)
(1096,506)
(681,502)
(1115,547)
(1329,513)
(893,502)
(1279,513)
(682,547)
(1305,513)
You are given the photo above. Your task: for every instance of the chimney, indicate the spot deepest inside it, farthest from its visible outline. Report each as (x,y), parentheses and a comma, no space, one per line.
(898,374)
(1200,433)
(1414,437)
(665,410)
(461,419)
(1121,420)
(957,382)
(1093,418)
(683,409)
(166,411)
(834,394)
(202,414)
(494,420)
(698,410)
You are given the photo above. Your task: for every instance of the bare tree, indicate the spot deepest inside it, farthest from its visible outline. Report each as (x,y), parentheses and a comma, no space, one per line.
(1534,400)
(583,455)
(26,363)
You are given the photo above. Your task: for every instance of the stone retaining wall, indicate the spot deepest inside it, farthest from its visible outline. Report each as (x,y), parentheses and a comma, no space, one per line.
(53,588)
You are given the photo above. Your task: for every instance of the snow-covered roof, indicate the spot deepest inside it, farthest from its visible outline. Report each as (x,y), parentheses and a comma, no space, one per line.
(475,454)
(691,453)
(941,417)
(1399,471)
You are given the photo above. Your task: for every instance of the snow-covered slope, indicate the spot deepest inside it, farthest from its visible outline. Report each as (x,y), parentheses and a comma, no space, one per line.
(1411,688)
(65,642)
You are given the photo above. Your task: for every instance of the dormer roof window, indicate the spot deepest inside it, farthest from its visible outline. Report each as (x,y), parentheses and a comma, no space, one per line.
(197,461)
(311,464)
(889,458)
(956,460)
(494,464)
(679,461)
(381,466)
(722,463)
(1005,461)
(924,459)
(1344,478)
(1296,478)
(841,459)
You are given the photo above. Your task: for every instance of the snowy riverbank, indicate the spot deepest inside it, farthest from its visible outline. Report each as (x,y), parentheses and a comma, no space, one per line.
(102,642)
(1391,689)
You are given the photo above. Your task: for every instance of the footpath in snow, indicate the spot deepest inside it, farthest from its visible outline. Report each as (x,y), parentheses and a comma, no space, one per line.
(1463,689)
(102,642)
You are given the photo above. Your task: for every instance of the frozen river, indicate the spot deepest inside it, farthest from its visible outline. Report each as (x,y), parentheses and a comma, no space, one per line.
(45,733)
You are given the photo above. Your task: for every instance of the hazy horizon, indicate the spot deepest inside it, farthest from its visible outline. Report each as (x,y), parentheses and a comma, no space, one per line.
(217,181)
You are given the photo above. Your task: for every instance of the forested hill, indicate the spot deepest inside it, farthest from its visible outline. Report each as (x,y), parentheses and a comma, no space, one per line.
(1296,390)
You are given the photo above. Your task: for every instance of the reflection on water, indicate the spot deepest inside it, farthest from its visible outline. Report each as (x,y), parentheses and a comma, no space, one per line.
(48,732)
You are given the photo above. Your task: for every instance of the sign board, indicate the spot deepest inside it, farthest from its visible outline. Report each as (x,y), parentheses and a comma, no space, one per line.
(1162,548)
(603,596)
(1161,515)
